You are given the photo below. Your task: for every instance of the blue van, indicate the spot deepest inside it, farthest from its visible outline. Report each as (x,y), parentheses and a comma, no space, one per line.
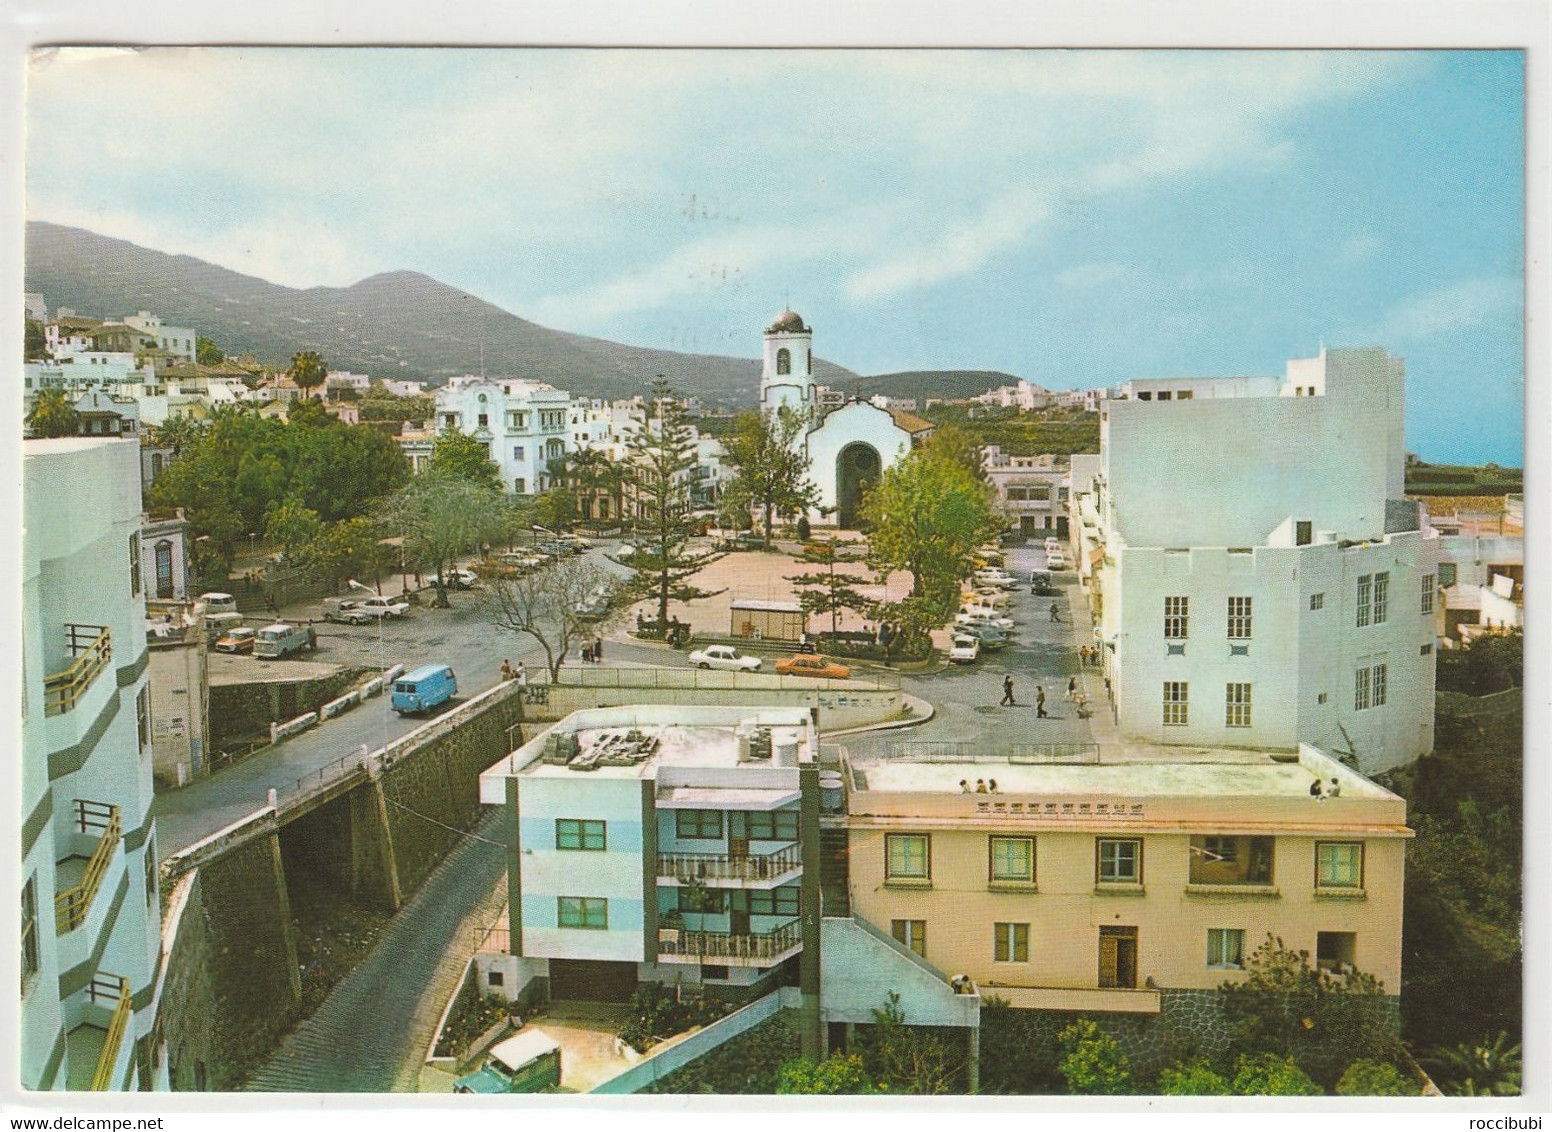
(424,688)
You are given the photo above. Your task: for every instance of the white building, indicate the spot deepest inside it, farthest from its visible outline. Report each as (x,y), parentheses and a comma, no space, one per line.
(849,448)
(523,424)
(181,341)
(1031,490)
(659,844)
(90,914)
(1024,396)
(34,307)
(1258,578)
(404,388)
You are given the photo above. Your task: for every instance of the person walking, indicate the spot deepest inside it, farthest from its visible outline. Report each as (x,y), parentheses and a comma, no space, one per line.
(598,650)
(1007,692)
(1054,615)
(1040,712)
(1072,688)
(522,675)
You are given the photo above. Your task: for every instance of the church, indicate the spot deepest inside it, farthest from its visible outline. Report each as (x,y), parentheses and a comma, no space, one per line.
(850,445)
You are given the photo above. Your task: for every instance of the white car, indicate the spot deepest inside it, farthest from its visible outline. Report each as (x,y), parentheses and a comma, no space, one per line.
(964,650)
(1056,560)
(725,657)
(995,577)
(461,578)
(384,607)
(983,617)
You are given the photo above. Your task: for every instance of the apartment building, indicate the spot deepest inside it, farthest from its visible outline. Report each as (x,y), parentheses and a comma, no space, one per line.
(90,914)
(1257,576)
(179,341)
(1131,883)
(523,424)
(1031,490)
(665,844)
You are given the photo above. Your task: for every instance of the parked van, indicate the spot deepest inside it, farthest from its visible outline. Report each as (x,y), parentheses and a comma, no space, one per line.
(281,640)
(218,625)
(218,603)
(424,688)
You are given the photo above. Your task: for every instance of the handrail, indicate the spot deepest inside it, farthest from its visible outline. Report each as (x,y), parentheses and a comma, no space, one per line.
(755,866)
(92,648)
(727,945)
(102,1080)
(71,905)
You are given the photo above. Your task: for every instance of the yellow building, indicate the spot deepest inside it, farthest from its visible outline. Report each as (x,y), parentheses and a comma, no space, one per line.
(1099,886)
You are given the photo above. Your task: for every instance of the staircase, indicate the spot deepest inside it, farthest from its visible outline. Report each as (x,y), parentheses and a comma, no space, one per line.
(834,873)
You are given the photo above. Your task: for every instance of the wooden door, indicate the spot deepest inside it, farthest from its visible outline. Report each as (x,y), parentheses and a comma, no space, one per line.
(1118,957)
(738,834)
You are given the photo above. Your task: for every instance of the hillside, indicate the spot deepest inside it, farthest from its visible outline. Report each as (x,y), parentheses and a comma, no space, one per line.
(399,324)
(949,383)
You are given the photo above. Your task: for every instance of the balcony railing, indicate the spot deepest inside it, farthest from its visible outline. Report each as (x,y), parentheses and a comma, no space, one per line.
(114,988)
(722,866)
(91,646)
(71,905)
(726,945)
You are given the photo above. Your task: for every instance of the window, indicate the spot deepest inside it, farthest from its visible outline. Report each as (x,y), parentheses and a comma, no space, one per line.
(1336,951)
(906,855)
(1381,597)
(774,902)
(1120,862)
(590,912)
(912,933)
(520,485)
(580,833)
(1425,650)
(29,930)
(1013,858)
(1317,601)
(1425,604)
(143,716)
(1010,943)
(1176,705)
(164,586)
(1225,947)
(1365,599)
(1339,864)
(134,563)
(1239,618)
(1184,395)
(1230,859)
(1176,618)
(518,452)
(1236,705)
(1377,682)
(714,971)
(783,360)
(484,420)
(1165,394)
(773,825)
(698,825)
(1447,573)
(152,875)
(1303,532)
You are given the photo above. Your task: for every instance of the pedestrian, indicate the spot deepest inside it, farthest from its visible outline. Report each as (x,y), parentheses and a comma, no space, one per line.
(506,671)
(587,653)
(1007,691)
(1040,712)
(598,650)
(991,786)
(1054,615)
(1335,789)
(1081,703)
(1072,688)
(522,675)
(312,639)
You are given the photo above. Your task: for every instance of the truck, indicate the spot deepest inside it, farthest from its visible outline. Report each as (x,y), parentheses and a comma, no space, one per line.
(281,640)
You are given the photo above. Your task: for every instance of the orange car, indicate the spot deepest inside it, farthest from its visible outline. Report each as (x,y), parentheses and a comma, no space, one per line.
(807,664)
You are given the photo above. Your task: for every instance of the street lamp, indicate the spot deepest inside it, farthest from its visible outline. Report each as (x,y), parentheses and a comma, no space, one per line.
(382,666)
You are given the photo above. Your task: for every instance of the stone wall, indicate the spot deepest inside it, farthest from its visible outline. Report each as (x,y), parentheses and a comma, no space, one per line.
(239,710)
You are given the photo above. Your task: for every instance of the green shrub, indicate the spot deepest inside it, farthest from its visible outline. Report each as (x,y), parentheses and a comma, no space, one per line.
(657,1012)
(840,1073)
(1092,1063)
(1368,1078)
(1194,1078)
(1268,1075)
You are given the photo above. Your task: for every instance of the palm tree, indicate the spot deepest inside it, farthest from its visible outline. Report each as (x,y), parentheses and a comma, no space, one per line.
(1486,1069)
(53,415)
(307,370)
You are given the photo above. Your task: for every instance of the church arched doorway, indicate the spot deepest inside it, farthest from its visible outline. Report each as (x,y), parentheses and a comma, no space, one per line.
(857,470)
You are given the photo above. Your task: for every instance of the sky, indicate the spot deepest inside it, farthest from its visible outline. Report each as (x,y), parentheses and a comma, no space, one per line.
(1077,218)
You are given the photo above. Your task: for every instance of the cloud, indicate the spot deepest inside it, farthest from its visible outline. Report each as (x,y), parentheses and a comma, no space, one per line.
(1090,275)
(1463,305)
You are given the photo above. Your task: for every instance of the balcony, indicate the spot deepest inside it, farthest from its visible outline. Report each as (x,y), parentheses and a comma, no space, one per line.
(94,1046)
(771,868)
(92,819)
(91,648)
(749,949)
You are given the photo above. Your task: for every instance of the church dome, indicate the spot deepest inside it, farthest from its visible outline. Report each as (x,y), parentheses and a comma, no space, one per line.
(788,322)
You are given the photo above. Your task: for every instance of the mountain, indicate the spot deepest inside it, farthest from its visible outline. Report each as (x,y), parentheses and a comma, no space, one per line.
(947,383)
(400,324)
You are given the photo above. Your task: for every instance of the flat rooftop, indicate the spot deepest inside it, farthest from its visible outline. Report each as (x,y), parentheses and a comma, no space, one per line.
(670,745)
(1171,772)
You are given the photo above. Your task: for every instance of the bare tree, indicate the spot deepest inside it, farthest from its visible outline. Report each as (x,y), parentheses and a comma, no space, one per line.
(558,605)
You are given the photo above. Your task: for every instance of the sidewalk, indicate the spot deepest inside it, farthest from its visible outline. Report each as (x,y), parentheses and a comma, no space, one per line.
(1102,726)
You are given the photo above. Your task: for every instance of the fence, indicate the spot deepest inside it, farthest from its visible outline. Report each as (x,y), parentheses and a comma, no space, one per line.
(659,1065)
(91,646)
(926,751)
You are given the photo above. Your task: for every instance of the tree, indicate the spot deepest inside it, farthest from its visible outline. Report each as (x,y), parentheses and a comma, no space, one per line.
(1369,1078)
(556,509)
(34,342)
(905,627)
(549,605)
(207,353)
(53,415)
(824,590)
(350,548)
(176,433)
(928,516)
(458,454)
(291,525)
(1482,1069)
(1271,1075)
(1493,662)
(1092,1062)
(914,1060)
(1194,1078)
(838,1074)
(959,446)
(771,468)
(441,516)
(661,456)
(307,370)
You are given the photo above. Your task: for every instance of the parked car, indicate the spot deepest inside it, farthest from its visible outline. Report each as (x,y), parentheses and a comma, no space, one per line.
(982,617)
(593,608)
(218,625)
(559,548)
(218,603)
(526,1063)
(345,610)
(990,555)
(965,649)
(1040,582)
(989,636)
(461,578)
(808,664)
(725,657)
(385,607)
(281,640)
(994,576)
(578,542)
(1057,560)
(423,688)
(237,639)
(1052,543)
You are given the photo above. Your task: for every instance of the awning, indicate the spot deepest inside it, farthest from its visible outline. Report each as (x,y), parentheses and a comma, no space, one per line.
(724,798)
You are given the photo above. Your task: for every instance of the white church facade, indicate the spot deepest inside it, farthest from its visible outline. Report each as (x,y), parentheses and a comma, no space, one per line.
(848,448)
